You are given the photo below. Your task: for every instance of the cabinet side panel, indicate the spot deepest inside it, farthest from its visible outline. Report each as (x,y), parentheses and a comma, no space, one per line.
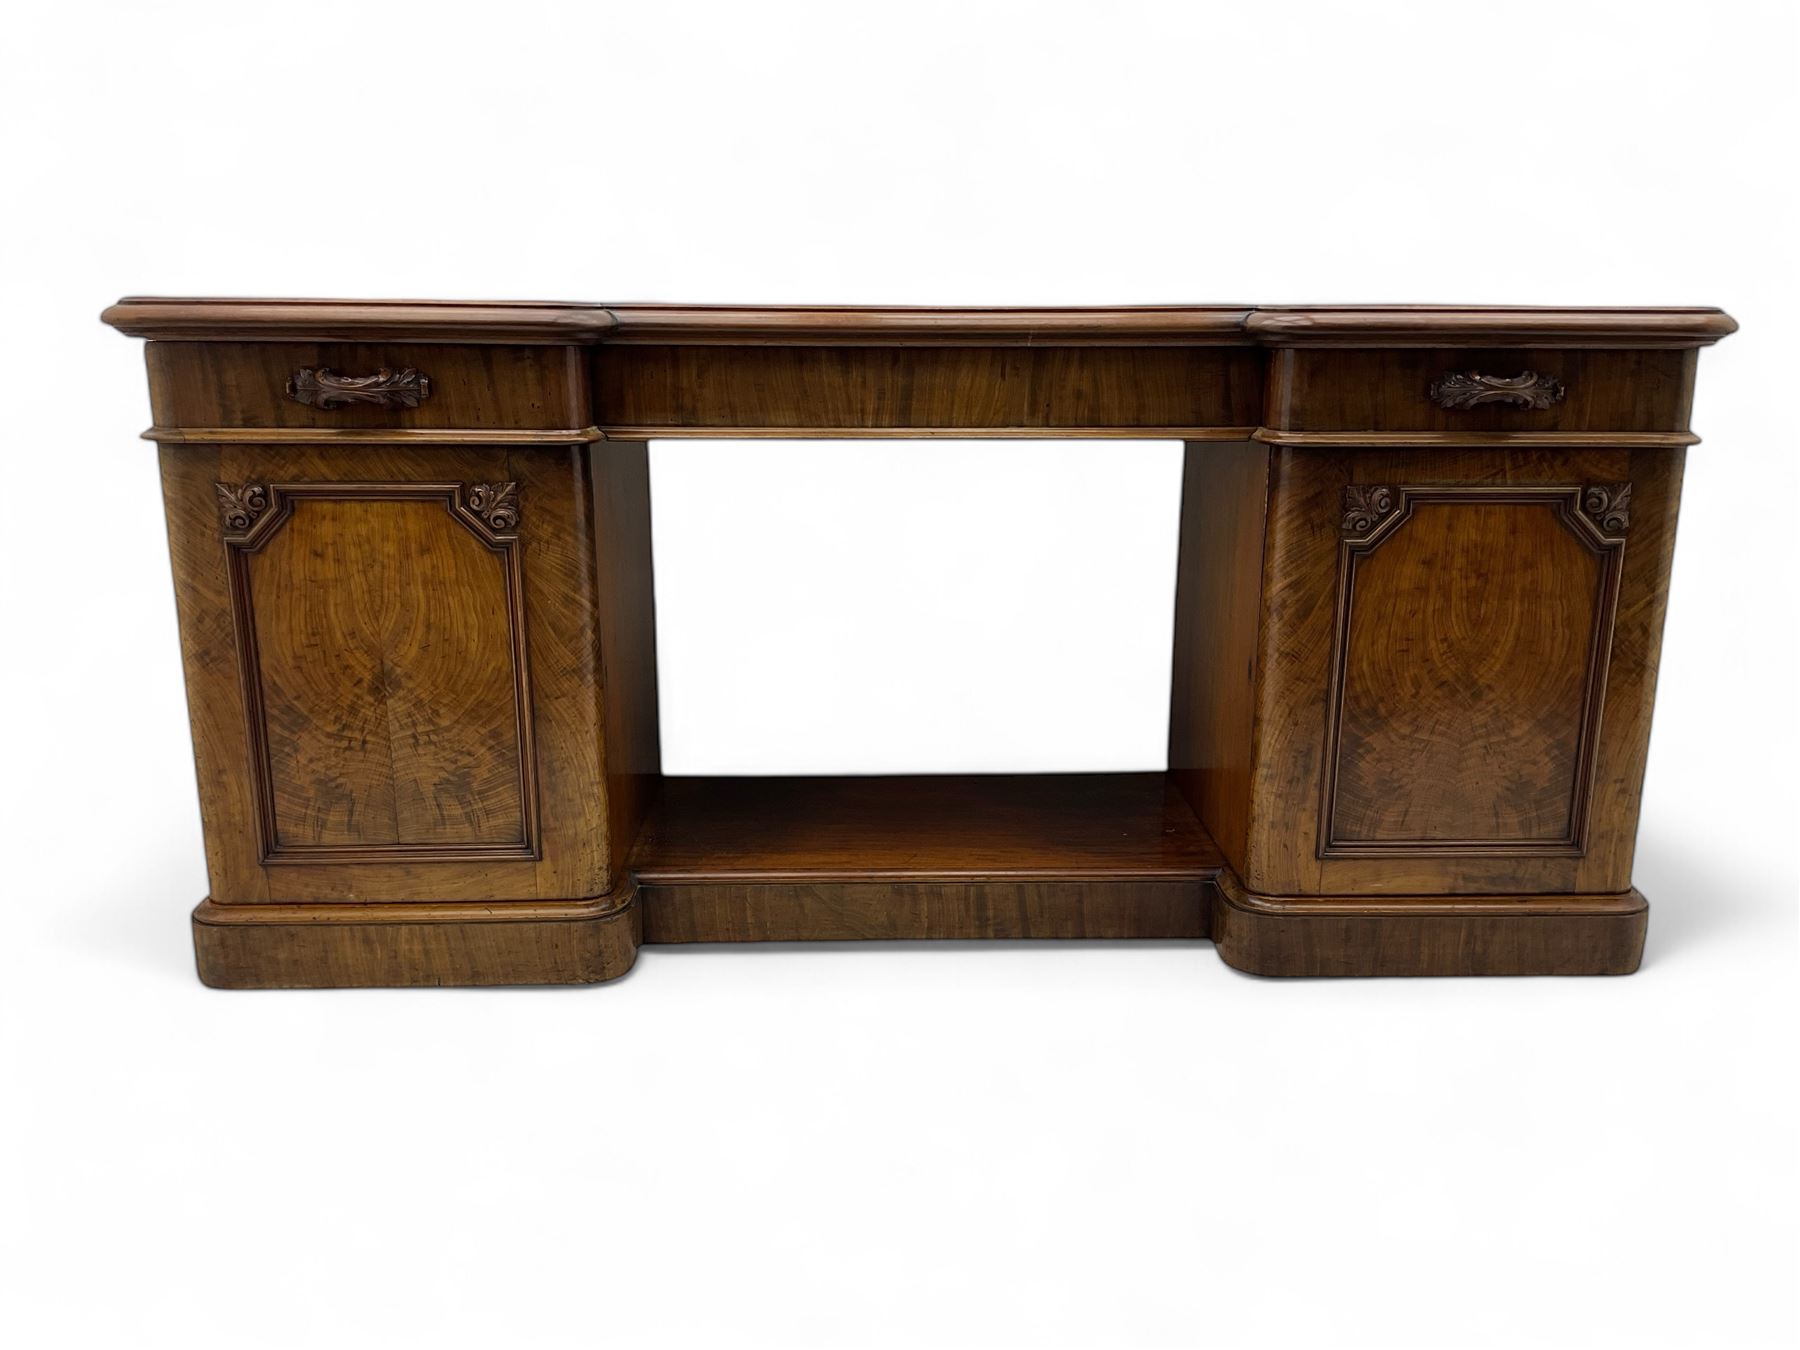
(1624,743)
(625,596)
(1218,599)
(557,529)
(1294,657)
(228,813)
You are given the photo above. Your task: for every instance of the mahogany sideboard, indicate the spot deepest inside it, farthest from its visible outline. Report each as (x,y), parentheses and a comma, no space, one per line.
(1424,558)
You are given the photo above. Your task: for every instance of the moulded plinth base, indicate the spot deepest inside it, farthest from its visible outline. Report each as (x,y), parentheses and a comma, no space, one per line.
(284,946)
(1428,935)
(340,946)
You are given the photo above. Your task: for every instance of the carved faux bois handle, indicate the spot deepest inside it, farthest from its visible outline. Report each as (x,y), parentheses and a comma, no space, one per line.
(1471,389)
(322,387)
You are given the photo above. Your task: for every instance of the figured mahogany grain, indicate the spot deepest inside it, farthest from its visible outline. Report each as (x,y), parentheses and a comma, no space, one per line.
(1294,688)
(211,384)
(1467,656)
(391,713)
(644,388)
(556,535)
(1646,389)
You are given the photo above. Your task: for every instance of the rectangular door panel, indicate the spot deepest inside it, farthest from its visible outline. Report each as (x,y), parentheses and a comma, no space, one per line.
(1473,631)
(385,672)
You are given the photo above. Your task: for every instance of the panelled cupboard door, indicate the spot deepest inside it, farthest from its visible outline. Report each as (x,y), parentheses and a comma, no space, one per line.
(1457,661)
(393,661)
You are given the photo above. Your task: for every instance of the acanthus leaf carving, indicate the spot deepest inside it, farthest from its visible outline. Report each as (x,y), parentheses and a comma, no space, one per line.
(1608,505)
(495,504)
(1366,505)
(1458,389)
(321,387)
(240,505)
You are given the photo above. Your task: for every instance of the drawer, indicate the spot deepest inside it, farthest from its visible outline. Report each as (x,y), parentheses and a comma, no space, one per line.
(367,385)
(1463,389)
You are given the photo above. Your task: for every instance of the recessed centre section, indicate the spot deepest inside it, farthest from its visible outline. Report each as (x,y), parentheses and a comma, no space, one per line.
(914,606)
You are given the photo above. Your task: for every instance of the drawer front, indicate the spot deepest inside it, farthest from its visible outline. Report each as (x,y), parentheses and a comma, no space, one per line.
(366,386)
(1465,390)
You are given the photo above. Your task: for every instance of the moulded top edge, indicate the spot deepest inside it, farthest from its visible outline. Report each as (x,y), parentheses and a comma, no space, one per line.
(509,321)
(1498,325)
(252,320)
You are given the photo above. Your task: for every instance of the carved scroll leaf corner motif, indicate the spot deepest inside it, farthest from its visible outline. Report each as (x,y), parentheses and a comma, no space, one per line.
(240,505)
(495,504)
(1608,505)
(1458,389)
(321,387)
(1366,505)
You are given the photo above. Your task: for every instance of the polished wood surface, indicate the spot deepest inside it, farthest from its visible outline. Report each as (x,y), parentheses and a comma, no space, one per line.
(1423,567)
(625,604)
(1506,593)
(1001,855)
(210,384)
(165,318)
(1428,935)
(642,390)
(1296,706)
(559,669)
(1332,389)
(173,318)
(375,734)
(1218,603)
(910,911)
(319,946)
(1486,325)
(964,827)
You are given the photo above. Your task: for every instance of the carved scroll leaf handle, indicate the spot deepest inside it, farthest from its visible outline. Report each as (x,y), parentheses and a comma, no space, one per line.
(1458,389)
(322,387)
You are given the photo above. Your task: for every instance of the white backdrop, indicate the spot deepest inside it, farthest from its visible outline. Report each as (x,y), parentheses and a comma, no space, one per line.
(935,1145)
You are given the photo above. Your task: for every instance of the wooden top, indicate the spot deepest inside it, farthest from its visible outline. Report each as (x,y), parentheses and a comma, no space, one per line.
(248,320)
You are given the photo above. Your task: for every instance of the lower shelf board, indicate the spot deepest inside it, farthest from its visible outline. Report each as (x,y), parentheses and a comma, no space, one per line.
(972,827)
(976,856)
